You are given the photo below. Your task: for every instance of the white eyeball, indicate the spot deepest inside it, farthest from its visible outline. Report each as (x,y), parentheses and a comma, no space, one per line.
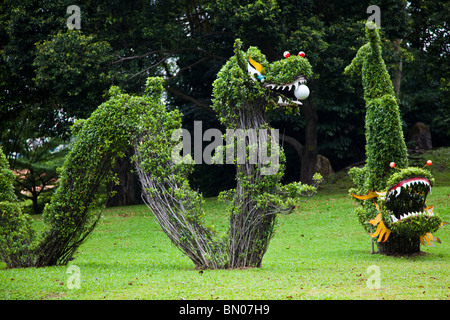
(302,92)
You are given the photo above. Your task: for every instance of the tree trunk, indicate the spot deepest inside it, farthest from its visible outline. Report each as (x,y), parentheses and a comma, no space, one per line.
(399,245)
(309,154)
(34,199)
(125,191)
(398,73)
(251,227)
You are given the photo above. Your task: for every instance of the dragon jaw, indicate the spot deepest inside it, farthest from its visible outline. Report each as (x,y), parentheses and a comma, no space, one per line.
(296,90)
(406,199)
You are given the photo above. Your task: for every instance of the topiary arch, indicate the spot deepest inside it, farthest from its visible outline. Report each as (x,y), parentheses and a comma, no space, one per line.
(98,142)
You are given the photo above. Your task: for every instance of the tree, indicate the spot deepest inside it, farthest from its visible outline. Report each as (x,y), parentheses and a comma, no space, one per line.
(49,76)
(36,169)
(426,77)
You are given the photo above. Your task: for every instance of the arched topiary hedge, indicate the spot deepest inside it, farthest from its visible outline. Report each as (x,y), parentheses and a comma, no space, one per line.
(123,121)
(97,142)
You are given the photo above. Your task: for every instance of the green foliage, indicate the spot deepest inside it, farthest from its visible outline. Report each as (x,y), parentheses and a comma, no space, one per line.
(241,102)
(409,172)
(6,180)
(286,70)
(74,67)
(415,227)
(234,87)
(16,234)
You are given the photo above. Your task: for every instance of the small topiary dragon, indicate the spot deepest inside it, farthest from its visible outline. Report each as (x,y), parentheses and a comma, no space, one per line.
(402,218)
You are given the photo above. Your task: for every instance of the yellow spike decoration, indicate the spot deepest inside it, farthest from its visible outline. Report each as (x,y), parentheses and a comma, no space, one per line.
(370,195)
(382,231)
(255,64)
(427,238)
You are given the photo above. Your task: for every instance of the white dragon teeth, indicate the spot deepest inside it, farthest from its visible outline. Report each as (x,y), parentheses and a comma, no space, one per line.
(396,192)
(288,86)
(282,102)
(411,214)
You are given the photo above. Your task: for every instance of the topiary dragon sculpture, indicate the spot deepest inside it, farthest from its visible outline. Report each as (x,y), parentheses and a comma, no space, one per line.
(402,218)
(245,89)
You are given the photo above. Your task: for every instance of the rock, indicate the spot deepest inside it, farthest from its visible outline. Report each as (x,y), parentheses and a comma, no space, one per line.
(419,137)
(323,166)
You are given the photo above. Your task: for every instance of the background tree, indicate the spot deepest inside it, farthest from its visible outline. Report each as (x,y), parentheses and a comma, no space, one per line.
(425,84)
(187,42)
(36,169)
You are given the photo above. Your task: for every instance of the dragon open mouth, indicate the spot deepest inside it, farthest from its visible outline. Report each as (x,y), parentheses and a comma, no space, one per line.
(286,78)
(406,199)
(290,92)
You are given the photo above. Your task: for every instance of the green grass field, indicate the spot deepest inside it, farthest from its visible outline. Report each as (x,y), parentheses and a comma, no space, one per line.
(320,251)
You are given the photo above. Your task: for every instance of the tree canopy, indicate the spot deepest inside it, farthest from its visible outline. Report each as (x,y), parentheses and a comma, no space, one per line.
(50,75)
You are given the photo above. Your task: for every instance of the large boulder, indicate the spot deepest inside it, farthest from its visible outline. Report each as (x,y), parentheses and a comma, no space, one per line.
(419,137)
(323,166)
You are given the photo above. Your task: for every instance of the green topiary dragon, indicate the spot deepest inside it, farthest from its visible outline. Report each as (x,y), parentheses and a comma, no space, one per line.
(245,90)
(402,218)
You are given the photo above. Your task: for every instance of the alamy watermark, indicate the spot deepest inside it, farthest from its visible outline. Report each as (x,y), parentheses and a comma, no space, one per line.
(74,21)
(374,280)
(251,146)
(375,17)
(74,277)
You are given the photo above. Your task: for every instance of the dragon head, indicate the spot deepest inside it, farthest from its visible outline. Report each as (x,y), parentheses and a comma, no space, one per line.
(407,193)
(248,82)
(286,78)
(405,203)
(403,208)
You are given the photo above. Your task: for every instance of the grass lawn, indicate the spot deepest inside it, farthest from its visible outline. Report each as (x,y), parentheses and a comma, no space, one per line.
(320,251)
